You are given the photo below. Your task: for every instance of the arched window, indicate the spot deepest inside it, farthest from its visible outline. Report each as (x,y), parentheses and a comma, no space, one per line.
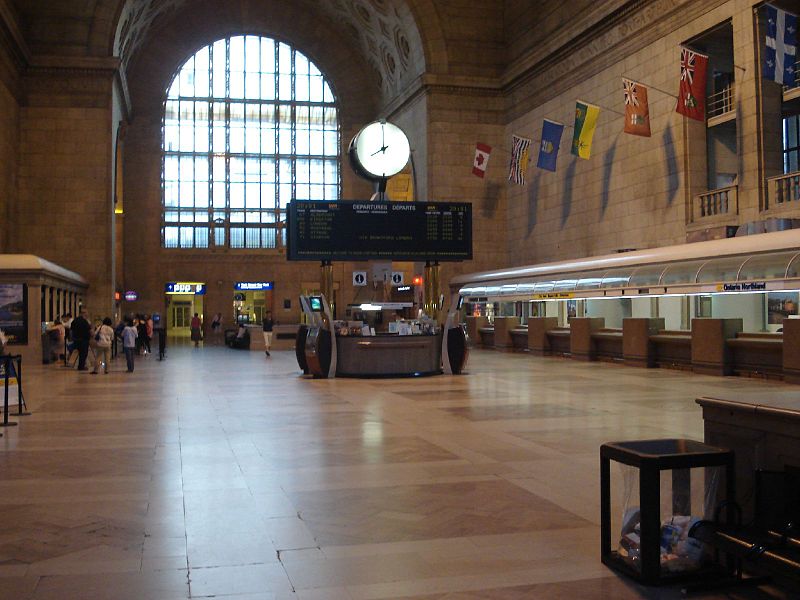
(249,124)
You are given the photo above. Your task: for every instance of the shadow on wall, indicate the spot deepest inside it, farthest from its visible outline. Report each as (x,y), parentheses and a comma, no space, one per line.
(566,197)
(608,165)
(491,199)
(671,164)
(533,202)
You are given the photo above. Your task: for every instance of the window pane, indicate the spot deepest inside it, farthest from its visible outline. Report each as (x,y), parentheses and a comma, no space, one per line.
(223,142)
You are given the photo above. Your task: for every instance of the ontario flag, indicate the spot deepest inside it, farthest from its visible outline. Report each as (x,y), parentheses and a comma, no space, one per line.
(692,95)
(637,112)
(482,152)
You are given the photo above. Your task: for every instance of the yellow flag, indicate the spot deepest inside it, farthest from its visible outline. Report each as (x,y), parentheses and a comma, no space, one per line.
(585,122)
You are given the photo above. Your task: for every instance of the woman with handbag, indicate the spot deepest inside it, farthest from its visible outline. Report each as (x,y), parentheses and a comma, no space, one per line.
(103,338)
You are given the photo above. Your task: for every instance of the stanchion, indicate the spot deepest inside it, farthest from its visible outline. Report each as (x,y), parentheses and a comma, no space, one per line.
(20,397)
(6,364)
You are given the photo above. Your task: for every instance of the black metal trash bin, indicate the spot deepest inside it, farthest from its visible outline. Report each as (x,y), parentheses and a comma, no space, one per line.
(650,564)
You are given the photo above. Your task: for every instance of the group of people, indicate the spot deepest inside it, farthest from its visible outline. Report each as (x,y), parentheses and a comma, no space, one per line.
(80,336)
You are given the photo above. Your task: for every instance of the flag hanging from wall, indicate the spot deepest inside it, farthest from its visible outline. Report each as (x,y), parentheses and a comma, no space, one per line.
(482,152)
(551,141)
(779,56)
(585,122)
(692,95)
(520,150)
(637,112)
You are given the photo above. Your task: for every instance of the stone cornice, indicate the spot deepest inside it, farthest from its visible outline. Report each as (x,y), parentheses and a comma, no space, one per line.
(640,23)
(79,65)
(531,80)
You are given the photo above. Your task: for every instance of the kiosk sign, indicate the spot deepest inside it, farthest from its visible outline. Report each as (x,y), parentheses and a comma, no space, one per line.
(182,287)
(253,286)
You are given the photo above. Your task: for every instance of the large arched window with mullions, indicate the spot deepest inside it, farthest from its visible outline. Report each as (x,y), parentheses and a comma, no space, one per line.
(249,124)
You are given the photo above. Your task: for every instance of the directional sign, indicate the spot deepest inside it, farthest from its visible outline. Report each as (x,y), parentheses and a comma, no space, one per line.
(359,278)
(397,278)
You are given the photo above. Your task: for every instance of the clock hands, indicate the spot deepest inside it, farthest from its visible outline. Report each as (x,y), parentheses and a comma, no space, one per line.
(381,149)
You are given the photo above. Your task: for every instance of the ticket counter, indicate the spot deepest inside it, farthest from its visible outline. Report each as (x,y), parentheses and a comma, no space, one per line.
(389,355)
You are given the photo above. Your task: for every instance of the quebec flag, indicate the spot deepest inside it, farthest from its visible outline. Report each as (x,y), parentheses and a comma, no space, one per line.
(779,57)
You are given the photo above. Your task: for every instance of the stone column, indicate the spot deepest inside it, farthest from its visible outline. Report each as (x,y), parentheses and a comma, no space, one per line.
(710,354)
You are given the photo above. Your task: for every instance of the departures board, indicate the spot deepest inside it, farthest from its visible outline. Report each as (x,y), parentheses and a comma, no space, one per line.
(411,231)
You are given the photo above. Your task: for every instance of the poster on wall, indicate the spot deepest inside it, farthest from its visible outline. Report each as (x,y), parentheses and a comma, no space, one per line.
(781,305)
(14,312)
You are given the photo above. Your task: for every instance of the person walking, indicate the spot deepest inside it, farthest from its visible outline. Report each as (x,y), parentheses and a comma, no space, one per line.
(129,343)
(195,327)
(103,338)
(148,323)
(267,325)
(216,327)
(81,331)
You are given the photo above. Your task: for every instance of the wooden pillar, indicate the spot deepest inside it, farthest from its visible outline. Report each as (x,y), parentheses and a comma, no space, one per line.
(710,354)
(581,346)
(637,349)
(538,327)
(502,332)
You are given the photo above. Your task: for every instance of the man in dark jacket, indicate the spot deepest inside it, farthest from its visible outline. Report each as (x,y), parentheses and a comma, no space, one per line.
(81,334)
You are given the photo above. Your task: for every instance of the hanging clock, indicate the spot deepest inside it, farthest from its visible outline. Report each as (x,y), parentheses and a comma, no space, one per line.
(379,151)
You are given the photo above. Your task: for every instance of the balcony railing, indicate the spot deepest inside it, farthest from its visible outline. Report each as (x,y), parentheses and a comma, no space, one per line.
(718,203)
(721,105)
(783,191)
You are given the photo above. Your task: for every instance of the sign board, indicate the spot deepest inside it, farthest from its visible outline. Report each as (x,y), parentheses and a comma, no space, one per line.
(185,287)
(553,296)
(250,286)
(359,278)
(397,278)
(753,286)
(14,312)
(381,272)
(407,231)
(131,296)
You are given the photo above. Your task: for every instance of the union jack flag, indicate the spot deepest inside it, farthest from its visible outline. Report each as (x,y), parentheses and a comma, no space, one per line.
(630,92)
(687,65)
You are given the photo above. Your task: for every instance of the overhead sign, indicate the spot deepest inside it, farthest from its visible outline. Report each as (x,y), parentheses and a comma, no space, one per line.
(359,278)
(397,278)
(185,287)
(754,286)
(553,296)
(408,231)
(249,286)
(131,296)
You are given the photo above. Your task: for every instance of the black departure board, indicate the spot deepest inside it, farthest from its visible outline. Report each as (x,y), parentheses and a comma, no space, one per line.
(379,231)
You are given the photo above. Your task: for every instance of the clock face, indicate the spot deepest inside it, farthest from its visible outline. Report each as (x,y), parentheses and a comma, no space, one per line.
(381,149)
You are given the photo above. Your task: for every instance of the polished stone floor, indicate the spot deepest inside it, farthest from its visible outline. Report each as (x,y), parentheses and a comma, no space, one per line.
(223,474)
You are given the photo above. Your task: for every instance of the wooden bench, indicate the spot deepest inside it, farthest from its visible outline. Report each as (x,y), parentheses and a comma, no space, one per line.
(519,339)
(608,344)
(559,339)
(757,354)
(487,336)
(673,349)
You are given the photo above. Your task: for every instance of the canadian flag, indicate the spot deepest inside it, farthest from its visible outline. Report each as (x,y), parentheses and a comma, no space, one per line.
(482,152)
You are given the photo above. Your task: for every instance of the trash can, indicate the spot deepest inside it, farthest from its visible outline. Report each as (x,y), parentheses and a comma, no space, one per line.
(666,486)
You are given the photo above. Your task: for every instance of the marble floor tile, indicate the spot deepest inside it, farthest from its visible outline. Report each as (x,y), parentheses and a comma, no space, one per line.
(219,474)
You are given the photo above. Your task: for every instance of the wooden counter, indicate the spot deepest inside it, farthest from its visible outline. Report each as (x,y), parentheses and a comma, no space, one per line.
(764,431)
(388,355)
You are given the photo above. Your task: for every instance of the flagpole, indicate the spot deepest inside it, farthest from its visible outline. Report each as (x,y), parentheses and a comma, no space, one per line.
(650,86)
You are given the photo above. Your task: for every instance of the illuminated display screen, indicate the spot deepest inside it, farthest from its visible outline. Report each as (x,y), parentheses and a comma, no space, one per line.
(380,230)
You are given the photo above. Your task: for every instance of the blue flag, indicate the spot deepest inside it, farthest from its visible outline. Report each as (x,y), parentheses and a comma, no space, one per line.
(548,148)
(779,57)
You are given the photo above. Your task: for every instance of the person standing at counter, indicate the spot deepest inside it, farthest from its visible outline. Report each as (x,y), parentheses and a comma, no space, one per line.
(268,324)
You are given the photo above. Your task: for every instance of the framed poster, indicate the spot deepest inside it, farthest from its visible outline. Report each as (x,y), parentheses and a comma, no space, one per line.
(14,312)
(780,305)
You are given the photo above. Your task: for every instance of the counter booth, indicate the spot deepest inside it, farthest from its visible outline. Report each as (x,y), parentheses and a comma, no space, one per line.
(718,307)
(33,292)
(406,348)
